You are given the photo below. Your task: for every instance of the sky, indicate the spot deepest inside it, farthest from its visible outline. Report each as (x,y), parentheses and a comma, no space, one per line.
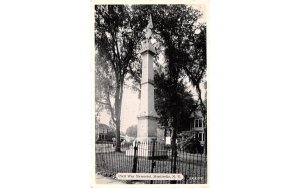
(130,103)
(203,9)
(129,110)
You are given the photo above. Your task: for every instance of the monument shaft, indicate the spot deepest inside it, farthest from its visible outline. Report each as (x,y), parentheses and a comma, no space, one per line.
(147,118)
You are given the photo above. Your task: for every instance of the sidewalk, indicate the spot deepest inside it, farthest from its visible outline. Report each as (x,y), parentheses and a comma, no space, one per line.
(105,180)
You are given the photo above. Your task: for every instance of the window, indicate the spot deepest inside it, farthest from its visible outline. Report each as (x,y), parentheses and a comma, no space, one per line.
(199,136)
(198,123)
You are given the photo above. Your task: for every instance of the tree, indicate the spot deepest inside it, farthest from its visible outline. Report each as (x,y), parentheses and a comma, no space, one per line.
(196,70)
(175,26)
(116,41)
(196,63)
(165,106)
(132,131)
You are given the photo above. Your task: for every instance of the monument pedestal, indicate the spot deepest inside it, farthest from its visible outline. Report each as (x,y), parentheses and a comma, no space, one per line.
(145,148)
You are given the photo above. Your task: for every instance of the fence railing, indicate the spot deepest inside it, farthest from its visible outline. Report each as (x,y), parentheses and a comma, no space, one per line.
(152,157)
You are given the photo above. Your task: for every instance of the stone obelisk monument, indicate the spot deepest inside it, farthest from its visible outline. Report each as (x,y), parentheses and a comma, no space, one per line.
(147,117)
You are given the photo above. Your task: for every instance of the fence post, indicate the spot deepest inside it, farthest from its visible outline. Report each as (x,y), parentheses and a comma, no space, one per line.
(135,158)
(173,164)
(153,162)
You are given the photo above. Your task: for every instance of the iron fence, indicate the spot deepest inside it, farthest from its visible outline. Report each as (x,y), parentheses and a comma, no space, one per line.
(151,157)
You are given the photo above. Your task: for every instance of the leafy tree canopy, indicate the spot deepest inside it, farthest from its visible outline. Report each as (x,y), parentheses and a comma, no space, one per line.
(132,131)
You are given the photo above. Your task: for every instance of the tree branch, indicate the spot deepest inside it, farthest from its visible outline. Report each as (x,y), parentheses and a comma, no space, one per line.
(101,102)
(110,107)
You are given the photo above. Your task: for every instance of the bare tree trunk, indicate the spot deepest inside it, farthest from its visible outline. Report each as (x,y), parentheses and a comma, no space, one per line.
(174,144)
(118,117)
(202,106)
(118,106)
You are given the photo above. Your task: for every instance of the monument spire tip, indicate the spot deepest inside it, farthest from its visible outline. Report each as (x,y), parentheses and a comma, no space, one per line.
(148,33)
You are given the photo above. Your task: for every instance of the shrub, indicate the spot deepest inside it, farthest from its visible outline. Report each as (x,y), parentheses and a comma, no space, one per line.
(189,143)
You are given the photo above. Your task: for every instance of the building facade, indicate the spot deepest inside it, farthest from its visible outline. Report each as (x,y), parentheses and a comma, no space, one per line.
(197,126)
(102,131)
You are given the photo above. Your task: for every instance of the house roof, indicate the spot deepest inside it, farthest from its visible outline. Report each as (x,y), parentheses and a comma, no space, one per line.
(196,114)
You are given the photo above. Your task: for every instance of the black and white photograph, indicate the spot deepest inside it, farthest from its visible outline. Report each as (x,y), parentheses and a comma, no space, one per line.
(150,94)
(171,94)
